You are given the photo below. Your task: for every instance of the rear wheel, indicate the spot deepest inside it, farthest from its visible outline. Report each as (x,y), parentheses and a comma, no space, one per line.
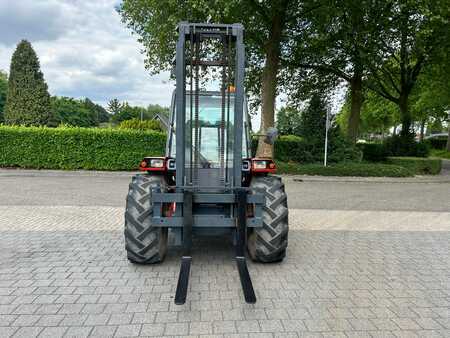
(145,243)
(269,242)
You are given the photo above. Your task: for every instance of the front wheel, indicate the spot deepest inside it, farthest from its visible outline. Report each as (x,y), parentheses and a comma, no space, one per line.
(268,243)
(145,243)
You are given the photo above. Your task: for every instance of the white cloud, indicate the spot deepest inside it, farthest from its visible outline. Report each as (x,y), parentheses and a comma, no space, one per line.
(84,49)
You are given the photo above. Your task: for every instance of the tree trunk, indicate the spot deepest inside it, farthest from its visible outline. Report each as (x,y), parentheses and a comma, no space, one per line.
(269,85)
(356,103)
(405,115)
(422,130)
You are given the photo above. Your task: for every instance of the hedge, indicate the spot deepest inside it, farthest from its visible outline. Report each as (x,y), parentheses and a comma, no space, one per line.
(440,153)
(77,148)
(344,169)
(418,165)
(294,148)
(141,125)
(437,142)
(393,146)
(373,152)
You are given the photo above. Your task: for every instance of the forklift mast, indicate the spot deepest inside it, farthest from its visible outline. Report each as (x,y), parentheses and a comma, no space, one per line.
(206,49)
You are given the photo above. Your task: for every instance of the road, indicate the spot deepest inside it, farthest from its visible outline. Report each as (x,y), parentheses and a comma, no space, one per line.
(20,187)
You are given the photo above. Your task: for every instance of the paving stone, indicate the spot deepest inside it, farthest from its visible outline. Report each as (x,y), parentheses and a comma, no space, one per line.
(128,330)
(120,319)
(428,324)
(28,332)
(103,331)
(78,331)
(406,323)
(53,332)
(200,328)
(152,330)
(6,332)
(50,320)
(25,320)
(226,326)
(248,326)
(176,329)
(316,325)
(97,319)
(361,324)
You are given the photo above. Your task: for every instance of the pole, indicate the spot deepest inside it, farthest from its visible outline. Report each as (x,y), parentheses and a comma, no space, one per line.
(327,126)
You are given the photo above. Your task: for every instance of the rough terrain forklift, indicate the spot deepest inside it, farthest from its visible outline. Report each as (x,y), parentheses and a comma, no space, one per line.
(207,184)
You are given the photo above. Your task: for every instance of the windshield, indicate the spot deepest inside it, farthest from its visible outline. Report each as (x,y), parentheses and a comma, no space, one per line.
(209,131)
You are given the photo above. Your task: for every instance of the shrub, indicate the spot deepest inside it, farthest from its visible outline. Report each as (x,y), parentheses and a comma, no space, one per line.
(294,148)
(141,125)
(373,152)
(344,169)
(77,148)
(397,145)
(340,149)
(437,143)
(418,165)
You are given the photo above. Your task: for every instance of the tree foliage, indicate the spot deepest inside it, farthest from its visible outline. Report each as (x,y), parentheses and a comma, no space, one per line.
(28,100)
(415,35)
(114,106)
(288,121)
(3,91)
(79,113)
(341,37)
(378,115)
(313,119)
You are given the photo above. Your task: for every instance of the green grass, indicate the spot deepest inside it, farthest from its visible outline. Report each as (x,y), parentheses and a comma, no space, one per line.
(345,169)
(418,165)
(440,153)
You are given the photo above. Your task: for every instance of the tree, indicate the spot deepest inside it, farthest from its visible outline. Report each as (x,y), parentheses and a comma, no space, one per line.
(114,106)
(100,113)
(431,97)
(80,113)
(3,91)
(288,121)
(414,37)
(313,120)
(70,111)
(153,109)
(28,100)
(269,26)
(336,45)
(128,112)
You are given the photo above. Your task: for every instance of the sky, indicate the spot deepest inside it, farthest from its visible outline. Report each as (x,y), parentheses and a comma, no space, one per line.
(84,50)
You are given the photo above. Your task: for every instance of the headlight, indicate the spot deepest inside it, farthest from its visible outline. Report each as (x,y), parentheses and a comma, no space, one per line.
(156,163)
(259,164)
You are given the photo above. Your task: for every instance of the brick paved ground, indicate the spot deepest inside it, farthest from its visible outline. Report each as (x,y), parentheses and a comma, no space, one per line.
(75,283)
(366,273)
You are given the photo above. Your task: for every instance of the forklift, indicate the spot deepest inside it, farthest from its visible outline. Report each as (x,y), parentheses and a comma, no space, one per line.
(208,183)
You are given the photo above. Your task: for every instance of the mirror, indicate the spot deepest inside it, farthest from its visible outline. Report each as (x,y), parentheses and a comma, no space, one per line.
(271,135)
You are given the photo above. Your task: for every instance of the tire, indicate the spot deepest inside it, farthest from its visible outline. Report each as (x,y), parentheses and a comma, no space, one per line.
(268,243)
(145,243)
